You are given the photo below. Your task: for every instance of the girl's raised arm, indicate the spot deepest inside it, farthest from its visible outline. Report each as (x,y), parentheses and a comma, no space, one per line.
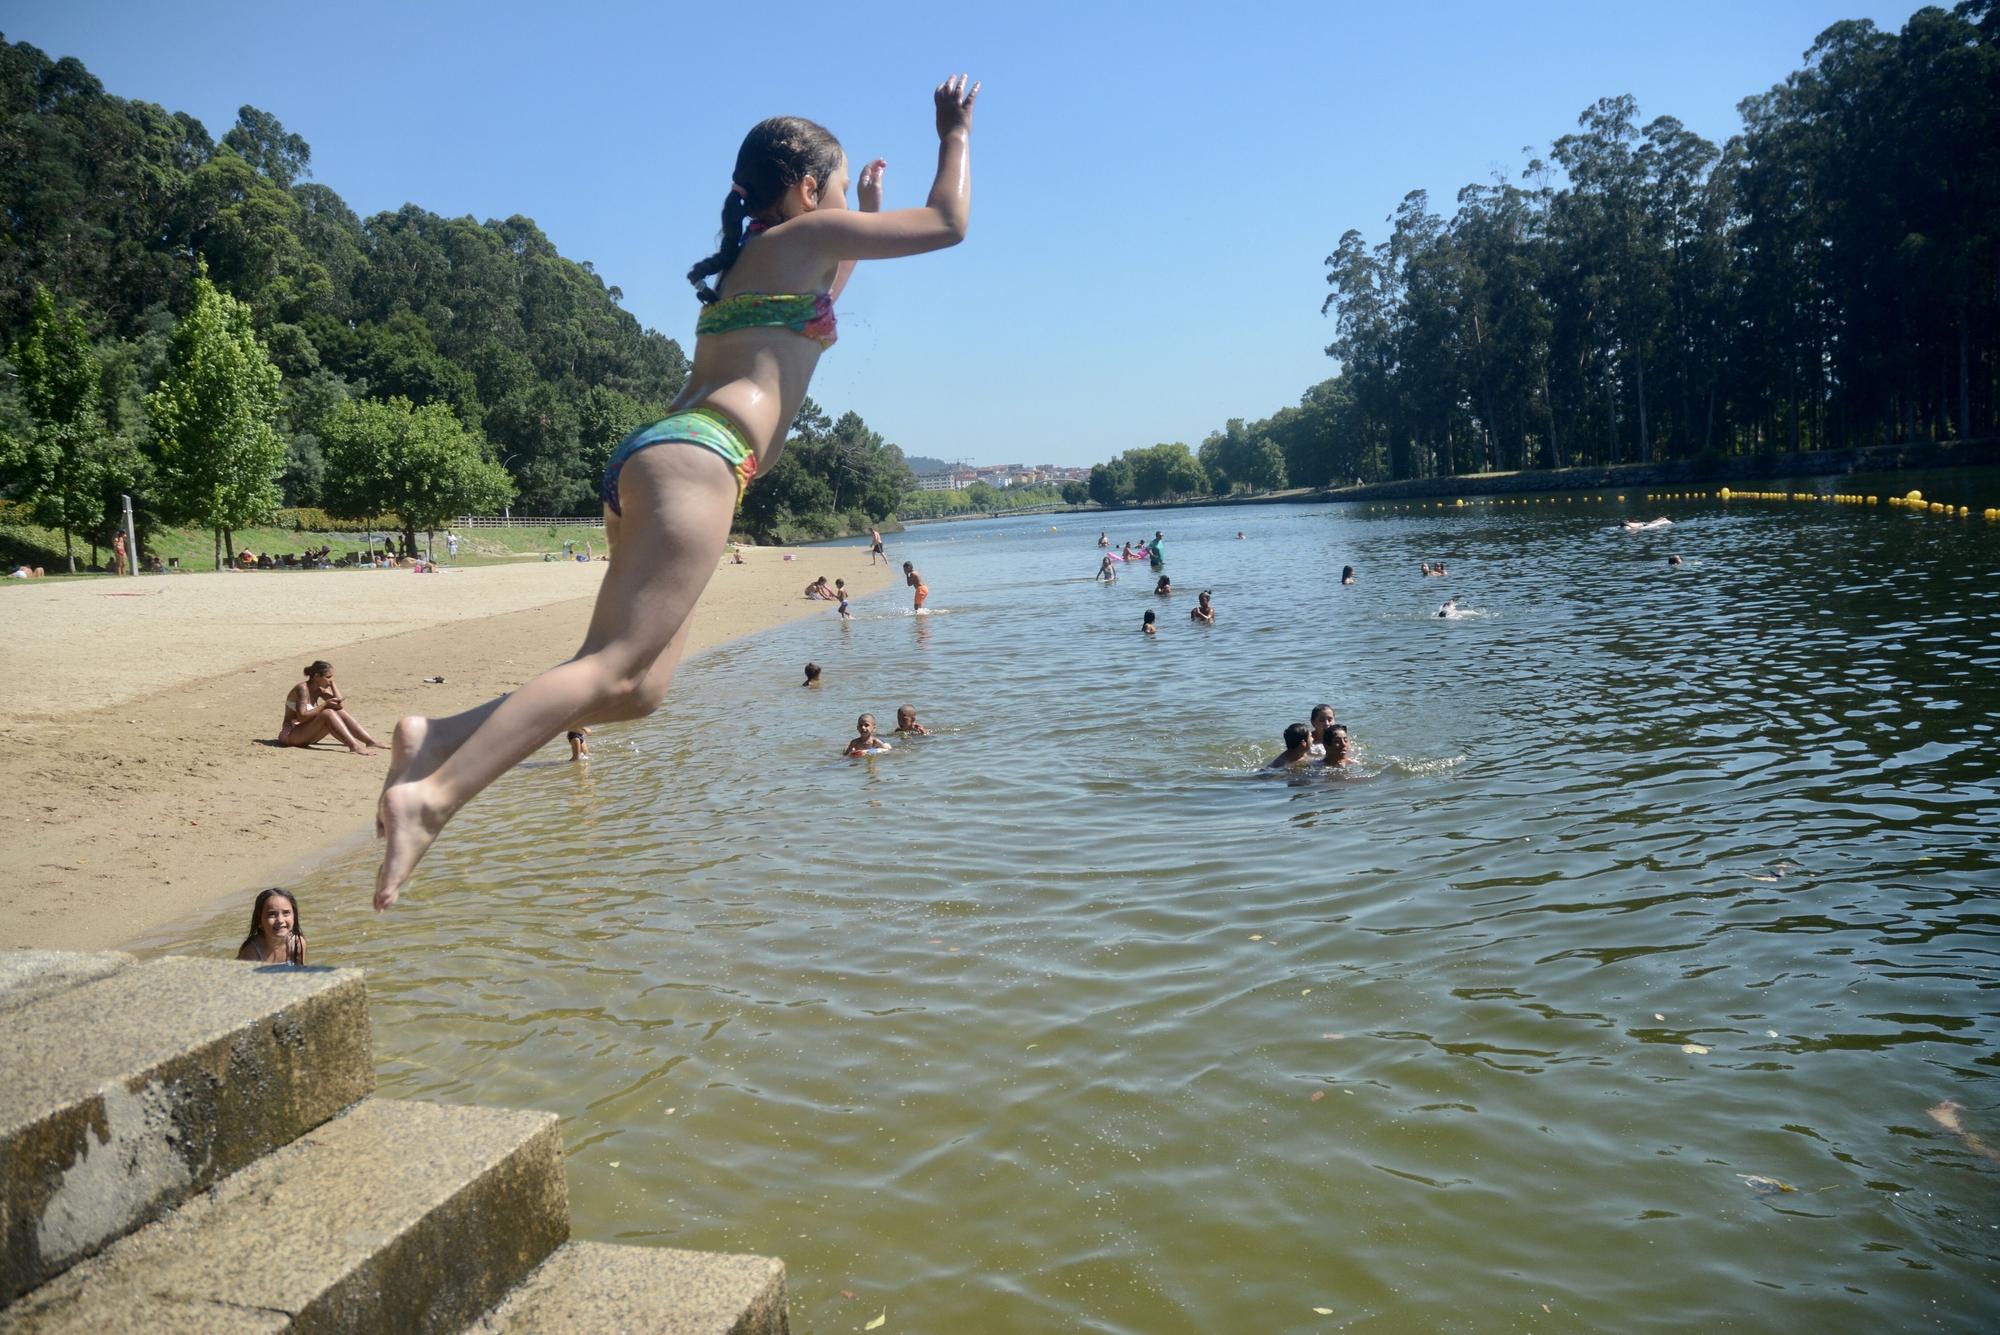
(941,222)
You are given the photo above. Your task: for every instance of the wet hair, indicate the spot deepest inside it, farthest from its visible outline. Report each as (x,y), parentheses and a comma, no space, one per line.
(319,667)
(1150,618)
(1328,708)
(1346,573)
(812,672)
(1338,745)
(776,155)
(1298,734)
(257,913)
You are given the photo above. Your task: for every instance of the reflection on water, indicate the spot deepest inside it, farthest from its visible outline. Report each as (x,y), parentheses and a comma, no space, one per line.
(1609,991)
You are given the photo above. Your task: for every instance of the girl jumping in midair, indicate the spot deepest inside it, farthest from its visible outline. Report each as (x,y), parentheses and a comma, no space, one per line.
(789,242)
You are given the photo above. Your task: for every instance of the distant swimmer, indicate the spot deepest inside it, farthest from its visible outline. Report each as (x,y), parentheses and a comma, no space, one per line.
(1320,720)
(1450,610)
(1239,535)
(1634,525)
(1298,748)
(1674,560)
(1151,625)
(1103,541)
(1164,588)
(906,722)
(1126,555)
(812,676)
(916,581)
(1339,747)
(1203,610)
(1107,569)
(865,742)
(1347,574)
(1432,568)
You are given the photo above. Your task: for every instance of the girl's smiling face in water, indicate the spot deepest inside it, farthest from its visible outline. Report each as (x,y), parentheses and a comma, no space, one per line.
(277,922)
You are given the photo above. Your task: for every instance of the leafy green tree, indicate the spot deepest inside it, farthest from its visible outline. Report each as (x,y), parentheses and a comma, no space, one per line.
(418,463)
(1264,465)
(214,420)
(983,496)
(1074,493)
(1111,482)
(53,463)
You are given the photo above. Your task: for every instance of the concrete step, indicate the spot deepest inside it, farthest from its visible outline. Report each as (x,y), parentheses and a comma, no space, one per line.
(129,1091)
(391,1217)
(593,1288)
(26,975)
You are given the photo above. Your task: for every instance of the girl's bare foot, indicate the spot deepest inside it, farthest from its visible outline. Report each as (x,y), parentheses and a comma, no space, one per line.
(410,822)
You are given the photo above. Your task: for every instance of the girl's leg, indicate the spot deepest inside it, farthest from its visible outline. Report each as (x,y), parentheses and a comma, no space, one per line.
(354,726)
(337,725)
(305,734)
(678,504)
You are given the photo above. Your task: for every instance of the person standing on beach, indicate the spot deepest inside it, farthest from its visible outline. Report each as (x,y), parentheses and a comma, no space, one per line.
(118,553)
(875,547)
(671,489)
(276,934)
(916,581)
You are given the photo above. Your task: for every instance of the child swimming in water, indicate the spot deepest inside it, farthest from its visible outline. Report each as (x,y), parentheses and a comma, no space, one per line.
(670,492)
(865,742)
(906,722)
(1298,747)
(1151,625)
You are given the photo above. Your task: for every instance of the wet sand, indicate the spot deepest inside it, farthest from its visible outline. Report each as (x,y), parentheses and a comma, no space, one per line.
(137,715)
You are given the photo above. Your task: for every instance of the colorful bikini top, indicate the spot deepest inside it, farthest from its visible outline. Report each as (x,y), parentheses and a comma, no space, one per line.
(808,313)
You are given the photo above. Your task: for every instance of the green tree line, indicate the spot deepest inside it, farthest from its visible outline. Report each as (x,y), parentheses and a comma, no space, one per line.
(1826,279)
(201,325)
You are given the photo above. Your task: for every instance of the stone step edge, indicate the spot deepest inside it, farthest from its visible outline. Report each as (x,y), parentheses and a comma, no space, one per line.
(598,1288)
(200,1067)
(400,1216)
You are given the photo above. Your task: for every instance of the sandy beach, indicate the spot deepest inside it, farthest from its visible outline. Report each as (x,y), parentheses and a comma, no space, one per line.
(137,716)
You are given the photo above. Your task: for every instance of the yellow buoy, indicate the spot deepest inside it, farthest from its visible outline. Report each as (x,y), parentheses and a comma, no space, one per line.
(1913,496)
(1964,511)
(1459,501)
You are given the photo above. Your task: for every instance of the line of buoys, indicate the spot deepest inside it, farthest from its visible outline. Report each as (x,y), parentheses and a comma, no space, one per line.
(1913,500)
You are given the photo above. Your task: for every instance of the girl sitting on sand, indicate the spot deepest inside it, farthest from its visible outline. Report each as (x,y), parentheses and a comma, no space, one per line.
(276,934)
(315,708)
(671,489)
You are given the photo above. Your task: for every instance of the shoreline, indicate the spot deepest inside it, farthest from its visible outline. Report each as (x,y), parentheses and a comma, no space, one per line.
(135,733)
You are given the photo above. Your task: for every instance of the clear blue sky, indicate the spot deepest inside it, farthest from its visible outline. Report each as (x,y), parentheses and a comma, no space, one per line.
(1156,186)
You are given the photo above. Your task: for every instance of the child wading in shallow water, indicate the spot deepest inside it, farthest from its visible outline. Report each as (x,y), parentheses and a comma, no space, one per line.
(670,492)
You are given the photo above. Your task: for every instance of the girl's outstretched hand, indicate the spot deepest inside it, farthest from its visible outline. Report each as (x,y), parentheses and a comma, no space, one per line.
(954,105)
(868,190)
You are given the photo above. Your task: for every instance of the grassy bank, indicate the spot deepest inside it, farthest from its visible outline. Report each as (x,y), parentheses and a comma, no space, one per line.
(22,542)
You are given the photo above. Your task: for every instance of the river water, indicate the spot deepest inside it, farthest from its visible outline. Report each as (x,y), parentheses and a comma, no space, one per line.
(1617,987)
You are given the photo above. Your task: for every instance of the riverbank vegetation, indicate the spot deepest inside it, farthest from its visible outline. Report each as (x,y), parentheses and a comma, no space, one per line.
(1828,278)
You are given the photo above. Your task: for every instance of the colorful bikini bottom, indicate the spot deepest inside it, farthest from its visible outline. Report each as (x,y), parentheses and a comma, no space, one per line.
(701,427)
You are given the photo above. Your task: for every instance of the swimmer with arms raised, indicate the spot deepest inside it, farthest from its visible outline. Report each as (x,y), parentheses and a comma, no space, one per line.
(671,490)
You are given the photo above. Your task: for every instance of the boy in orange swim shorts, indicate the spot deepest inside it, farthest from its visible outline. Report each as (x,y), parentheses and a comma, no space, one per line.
(916,581)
